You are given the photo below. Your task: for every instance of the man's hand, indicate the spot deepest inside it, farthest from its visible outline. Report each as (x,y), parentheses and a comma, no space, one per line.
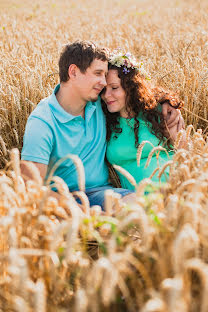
(172,116)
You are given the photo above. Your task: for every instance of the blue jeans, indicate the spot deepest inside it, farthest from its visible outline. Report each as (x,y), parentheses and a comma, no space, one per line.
(96,195)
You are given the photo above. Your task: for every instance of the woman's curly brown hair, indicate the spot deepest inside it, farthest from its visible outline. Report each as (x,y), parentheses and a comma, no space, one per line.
(140,97)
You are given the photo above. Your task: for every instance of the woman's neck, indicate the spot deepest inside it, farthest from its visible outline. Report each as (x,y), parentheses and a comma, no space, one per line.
(127,115)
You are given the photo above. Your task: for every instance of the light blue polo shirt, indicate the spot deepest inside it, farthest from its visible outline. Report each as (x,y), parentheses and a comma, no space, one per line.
(51,133)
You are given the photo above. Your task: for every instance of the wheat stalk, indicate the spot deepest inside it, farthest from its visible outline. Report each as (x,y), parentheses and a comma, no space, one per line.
(139,151)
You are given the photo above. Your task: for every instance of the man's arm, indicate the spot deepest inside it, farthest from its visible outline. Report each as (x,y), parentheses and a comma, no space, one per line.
(37,147)
(171,103)
(174,123)
(27,175)
(172,134)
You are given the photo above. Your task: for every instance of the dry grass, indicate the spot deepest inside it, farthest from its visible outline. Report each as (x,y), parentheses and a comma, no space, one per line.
(149,256)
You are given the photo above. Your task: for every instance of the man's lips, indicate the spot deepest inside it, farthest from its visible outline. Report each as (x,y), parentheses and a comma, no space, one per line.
(98,90)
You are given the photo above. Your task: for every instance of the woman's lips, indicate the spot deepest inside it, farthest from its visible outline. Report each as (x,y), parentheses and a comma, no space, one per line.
(111,102)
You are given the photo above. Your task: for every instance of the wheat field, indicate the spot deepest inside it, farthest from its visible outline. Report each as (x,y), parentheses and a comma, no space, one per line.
(150,256)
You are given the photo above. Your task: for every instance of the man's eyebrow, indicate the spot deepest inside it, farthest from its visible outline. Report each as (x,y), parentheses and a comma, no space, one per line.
(99,70)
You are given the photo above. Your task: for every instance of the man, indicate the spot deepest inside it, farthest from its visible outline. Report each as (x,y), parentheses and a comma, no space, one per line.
(71,121)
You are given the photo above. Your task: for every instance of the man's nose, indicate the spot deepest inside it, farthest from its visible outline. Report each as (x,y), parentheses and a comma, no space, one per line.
(103,82)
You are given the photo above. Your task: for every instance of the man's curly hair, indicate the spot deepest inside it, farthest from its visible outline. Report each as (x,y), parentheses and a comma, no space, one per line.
(141,96)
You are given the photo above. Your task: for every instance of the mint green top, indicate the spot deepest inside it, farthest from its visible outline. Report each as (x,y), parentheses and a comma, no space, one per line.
(122,152)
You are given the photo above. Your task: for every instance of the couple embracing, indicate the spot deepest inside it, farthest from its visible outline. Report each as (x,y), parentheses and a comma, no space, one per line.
(103,107)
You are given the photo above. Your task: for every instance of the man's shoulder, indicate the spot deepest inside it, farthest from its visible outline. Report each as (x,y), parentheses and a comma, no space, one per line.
(43,111)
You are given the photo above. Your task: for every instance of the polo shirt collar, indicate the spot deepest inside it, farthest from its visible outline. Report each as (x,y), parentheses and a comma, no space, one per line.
(89,110)
(64,116)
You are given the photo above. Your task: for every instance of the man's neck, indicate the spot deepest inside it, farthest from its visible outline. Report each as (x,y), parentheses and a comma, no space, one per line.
(70,101)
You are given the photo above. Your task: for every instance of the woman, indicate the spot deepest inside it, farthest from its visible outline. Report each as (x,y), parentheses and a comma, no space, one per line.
(133,116)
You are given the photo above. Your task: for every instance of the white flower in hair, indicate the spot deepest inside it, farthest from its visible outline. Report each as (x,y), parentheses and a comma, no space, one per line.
(128,61)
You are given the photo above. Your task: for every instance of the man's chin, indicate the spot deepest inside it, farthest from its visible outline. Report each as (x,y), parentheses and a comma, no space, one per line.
(94,99)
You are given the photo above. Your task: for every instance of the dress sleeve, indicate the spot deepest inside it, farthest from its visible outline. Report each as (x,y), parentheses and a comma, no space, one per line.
(37,141)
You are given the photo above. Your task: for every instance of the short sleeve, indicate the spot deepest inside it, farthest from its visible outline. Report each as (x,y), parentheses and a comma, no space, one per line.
(37,141)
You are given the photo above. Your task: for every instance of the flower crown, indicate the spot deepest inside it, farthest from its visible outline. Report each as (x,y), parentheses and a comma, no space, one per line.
(128,61)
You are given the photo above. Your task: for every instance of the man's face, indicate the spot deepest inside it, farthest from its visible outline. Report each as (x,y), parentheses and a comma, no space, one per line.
(91,83)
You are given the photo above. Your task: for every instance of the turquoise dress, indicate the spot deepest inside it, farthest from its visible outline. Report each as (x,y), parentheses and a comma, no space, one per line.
(122,151)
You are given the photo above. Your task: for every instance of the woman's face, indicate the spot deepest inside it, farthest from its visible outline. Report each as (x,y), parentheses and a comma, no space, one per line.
(114,95)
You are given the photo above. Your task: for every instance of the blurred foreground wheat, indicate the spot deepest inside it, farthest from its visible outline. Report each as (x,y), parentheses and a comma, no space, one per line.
(150,255)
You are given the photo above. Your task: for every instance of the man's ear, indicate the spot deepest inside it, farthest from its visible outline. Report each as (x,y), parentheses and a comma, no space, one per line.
(72,71)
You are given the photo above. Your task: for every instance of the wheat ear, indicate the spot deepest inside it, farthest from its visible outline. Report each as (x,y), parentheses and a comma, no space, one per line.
(178,139)
(16,135)
(81,300)
(154,150)
(40,296)
(139,151)
(124,172)
(3,145)
(154,305)
(188,132)
(15,159)
(108,202)
(142,185)
(185,246)
(60,185)
(20,305)
(201,268)
(84,200)
(79,166)
(186,183)
(168,163)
